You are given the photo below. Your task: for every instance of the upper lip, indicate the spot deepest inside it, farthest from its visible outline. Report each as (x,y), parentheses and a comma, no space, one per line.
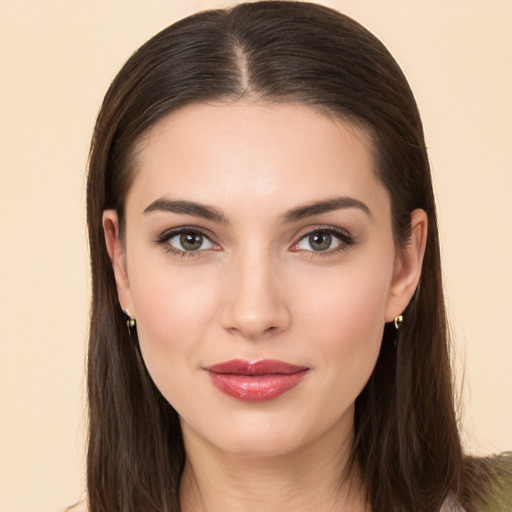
(263,367)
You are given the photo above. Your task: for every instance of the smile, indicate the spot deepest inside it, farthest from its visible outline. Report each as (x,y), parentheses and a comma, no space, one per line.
(255,382)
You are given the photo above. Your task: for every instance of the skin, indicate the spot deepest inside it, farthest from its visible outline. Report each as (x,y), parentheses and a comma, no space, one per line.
(256,289)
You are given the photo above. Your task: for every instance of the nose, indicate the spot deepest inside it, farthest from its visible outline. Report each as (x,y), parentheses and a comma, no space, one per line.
(255,304)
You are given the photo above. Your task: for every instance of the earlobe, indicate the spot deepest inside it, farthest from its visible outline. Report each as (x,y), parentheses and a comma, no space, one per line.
(408,264)
(117,256)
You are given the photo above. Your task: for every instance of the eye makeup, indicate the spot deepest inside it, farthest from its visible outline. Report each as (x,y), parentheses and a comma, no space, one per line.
(193,241)
(324,240)
(186,241)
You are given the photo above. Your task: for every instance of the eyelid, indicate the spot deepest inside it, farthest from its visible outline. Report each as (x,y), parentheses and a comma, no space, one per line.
(172,232)
(342,235)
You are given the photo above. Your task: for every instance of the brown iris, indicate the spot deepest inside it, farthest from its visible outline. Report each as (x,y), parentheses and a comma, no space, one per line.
(320,241)
(191,241)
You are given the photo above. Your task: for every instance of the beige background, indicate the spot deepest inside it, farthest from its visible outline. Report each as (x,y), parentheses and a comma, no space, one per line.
(56,61)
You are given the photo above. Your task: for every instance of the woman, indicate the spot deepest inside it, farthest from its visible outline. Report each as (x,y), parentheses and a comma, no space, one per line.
(268,329)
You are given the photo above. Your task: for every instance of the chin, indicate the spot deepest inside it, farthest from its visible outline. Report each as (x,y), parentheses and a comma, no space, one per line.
(264,446)
(260,435)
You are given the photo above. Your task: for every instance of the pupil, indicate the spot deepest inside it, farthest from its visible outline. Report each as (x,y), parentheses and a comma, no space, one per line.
(191,241)
(320,241)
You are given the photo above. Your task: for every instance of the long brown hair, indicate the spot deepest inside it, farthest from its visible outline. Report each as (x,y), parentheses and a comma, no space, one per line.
(406,438)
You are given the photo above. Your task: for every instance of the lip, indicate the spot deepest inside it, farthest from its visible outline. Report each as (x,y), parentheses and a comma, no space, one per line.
(255,382)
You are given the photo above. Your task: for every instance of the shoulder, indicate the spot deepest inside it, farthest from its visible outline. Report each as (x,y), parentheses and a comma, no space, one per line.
(451,504)
(501,486)
(489,483)
(81,506)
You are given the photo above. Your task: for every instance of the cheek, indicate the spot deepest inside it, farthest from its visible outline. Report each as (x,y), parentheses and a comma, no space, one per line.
(353,301)
(169,299)
(347,322)
(173,310)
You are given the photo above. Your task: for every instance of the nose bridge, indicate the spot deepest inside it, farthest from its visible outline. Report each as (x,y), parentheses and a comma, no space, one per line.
(256,304)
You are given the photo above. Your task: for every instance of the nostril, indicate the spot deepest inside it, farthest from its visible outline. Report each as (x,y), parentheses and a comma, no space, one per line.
(254,332)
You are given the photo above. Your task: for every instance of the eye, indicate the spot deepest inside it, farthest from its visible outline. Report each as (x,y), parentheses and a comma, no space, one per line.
(323,240)
(186,241)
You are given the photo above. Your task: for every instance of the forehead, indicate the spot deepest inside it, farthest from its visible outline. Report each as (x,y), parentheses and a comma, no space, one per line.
(246,151)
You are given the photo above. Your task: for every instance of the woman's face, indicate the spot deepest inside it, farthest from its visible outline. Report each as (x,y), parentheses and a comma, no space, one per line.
(258,233)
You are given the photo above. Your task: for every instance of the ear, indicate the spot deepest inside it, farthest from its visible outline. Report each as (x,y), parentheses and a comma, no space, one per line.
(117,256)
(407,271)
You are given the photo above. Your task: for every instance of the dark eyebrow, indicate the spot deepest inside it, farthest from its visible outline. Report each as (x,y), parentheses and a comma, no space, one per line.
(187,208)
(328,205)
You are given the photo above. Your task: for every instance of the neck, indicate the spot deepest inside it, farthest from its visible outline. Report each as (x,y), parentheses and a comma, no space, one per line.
(313,477)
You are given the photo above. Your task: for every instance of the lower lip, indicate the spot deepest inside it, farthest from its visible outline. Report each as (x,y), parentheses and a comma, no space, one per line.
(256,388)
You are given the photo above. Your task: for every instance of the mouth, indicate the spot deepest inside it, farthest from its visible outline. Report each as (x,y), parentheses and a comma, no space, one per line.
(255,382)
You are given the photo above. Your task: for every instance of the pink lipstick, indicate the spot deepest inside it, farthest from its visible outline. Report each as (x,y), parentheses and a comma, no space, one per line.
(255,382)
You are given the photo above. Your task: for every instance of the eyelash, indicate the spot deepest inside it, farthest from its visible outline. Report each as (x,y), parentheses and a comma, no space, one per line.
(345,241)
(164,239)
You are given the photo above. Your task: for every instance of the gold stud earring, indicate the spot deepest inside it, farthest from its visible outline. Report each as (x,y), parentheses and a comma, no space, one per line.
(130,322)
(398,321)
